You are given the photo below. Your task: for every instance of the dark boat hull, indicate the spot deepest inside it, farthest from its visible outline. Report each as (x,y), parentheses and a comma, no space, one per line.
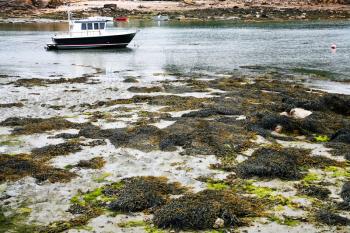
(92,42)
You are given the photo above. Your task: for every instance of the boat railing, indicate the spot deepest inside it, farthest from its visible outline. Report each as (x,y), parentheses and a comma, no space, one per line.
(85,33)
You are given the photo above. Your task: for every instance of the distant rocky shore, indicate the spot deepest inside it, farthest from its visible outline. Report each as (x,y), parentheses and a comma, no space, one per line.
(186,9)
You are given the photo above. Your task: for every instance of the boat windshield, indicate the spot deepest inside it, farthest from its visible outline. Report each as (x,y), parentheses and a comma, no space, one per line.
(93,26)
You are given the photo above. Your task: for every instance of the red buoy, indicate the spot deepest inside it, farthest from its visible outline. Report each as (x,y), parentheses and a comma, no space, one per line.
(333,46)
(121,19)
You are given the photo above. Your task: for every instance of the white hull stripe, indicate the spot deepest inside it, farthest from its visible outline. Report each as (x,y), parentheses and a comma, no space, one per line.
(79,45)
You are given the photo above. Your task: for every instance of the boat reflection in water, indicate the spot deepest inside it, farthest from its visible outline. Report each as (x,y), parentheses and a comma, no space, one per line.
(91,33)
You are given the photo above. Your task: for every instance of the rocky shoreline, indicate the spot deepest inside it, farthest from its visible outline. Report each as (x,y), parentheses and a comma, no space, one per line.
(202,10)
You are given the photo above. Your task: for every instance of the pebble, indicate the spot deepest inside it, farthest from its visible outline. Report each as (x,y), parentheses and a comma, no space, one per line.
(219,223)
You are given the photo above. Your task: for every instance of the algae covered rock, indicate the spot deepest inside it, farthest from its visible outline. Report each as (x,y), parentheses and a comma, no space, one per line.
(201,210)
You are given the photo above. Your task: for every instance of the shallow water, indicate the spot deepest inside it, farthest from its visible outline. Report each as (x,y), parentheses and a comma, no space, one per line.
(186,46)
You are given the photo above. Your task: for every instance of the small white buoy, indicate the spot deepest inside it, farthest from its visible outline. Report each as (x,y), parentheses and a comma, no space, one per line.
(333,46)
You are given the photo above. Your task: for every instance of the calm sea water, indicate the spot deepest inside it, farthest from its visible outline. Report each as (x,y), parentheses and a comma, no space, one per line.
(214,47)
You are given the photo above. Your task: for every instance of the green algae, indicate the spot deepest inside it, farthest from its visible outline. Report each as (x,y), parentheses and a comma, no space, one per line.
(311,177)
(132,224)
(152,229)
(102,178)
(217,186)
(216,231)
(15,222)
(338,171)
(260,192)
(288,221)
(265,194)
(94,198)
(11,142)
(322,138)
(76,222)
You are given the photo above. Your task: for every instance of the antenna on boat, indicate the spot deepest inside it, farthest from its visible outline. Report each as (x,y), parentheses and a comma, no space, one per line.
(69,18)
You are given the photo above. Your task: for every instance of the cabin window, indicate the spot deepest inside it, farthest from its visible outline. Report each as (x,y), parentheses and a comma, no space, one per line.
(95,26)
(83,26)
(89,26)
(102,25)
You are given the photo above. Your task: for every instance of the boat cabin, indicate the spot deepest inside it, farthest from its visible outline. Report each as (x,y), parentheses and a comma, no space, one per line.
(88,26)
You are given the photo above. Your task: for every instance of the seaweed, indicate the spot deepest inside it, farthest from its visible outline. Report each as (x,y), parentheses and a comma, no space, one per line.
(330,218)
(15,167)
(43,82)
(94,163)
(194,135)
(345,192)
(15,223)
(337,103)
(61,226)
(173,102)
(212,111)
(266,162)
(145,89)
(281,163)
(130,79)
(341,136)
(50,151)
(141,193)
(200,210)
(37,125)
(10,105)
(317,191)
